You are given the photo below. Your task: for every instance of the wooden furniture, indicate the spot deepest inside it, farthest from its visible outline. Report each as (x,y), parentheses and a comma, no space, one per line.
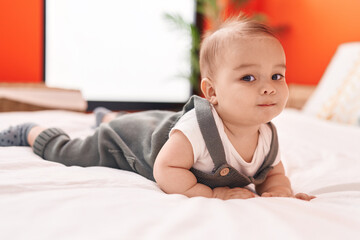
(33,97)
(299,94)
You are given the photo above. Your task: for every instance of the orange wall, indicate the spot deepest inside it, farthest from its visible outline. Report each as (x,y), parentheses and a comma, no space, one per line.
(314,29)
(21,40)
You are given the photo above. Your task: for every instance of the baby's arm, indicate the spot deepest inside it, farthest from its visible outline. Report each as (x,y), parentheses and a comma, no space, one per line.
(278,185)
(173,175)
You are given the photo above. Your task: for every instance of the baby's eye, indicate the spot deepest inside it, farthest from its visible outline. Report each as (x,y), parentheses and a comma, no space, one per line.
(277,76)
(248,78)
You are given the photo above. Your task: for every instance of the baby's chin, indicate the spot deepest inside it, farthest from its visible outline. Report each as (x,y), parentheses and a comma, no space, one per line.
(268,117)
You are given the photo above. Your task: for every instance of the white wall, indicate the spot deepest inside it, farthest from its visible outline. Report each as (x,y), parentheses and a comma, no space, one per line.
(118,50)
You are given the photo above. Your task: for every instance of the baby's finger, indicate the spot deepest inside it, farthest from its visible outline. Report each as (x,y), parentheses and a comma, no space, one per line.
(245,194)
(266,194)
(303,196)
(281,194)
(240,193)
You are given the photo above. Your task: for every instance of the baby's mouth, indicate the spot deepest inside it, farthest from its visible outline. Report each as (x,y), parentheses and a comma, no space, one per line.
(266,104)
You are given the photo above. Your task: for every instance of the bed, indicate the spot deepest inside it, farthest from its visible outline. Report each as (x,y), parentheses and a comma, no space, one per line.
(320,151)
(46,200)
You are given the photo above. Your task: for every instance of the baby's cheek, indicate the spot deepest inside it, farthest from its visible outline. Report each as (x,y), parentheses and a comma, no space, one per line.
(284,95)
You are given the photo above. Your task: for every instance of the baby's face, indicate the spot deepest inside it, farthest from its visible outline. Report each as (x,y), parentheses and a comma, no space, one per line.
(250,82)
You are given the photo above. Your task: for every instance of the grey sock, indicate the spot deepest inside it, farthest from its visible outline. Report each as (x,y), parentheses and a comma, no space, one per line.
(16,135)
(100,112)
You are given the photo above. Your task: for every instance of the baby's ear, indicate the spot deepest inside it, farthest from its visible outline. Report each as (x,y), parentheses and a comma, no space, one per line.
(208,89)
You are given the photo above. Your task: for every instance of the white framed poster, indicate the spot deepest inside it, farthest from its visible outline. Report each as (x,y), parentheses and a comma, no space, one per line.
(117,50)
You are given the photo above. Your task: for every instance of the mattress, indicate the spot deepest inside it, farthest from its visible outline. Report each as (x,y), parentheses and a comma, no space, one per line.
(45,200)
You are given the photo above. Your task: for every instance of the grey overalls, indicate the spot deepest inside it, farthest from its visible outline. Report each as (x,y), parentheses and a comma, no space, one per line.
(132,141)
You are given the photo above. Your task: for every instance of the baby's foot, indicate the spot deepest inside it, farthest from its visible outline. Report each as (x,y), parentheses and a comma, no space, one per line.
(16,136)
(100,113)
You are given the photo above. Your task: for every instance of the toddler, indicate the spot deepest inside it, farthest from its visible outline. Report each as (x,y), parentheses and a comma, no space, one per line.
(216,146)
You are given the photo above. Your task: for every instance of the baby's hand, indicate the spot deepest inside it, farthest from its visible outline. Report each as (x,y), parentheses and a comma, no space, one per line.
(232,193)
(276,194)
(302,196)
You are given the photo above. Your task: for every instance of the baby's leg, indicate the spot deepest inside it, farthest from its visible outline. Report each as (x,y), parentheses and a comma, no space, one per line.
(103,115)
(100,113)
(33,134)
(55,145)
(110,116)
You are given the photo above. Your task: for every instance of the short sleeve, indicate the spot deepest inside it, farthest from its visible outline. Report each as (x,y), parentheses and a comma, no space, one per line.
(188,125)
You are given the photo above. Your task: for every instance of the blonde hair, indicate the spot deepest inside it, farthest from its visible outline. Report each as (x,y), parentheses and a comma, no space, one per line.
(214,42)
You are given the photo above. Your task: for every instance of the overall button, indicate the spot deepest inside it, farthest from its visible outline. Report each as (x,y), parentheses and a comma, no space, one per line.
(224,172)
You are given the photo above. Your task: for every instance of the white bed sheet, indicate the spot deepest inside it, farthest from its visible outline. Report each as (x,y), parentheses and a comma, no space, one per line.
(45,200)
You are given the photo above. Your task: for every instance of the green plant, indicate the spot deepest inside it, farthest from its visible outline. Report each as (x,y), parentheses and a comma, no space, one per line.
(210,10)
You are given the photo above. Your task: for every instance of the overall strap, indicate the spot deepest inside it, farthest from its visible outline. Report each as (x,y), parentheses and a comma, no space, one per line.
(274,149)
(209,131)
(261,173)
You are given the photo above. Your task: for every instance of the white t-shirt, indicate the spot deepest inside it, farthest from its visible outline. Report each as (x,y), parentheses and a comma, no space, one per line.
(188,125)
